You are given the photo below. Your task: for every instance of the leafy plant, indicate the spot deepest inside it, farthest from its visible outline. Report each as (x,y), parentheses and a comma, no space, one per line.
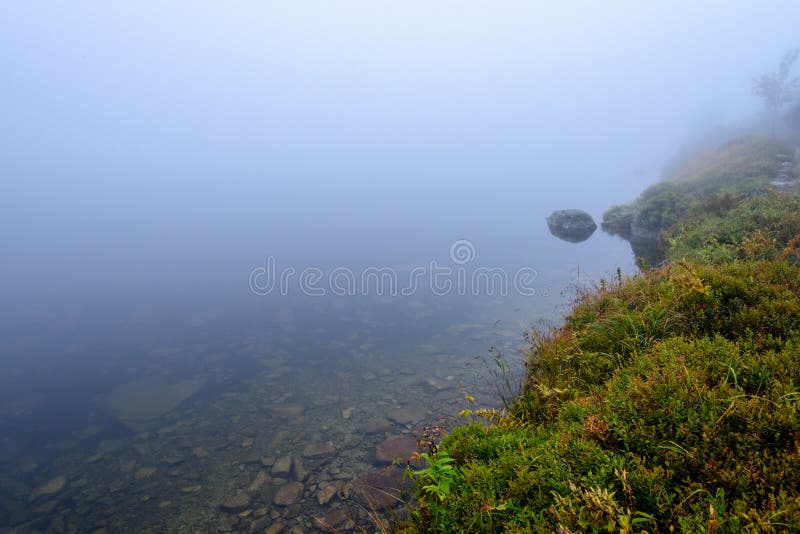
(436,479)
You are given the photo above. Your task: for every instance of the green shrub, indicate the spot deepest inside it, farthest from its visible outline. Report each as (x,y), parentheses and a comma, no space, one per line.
(666,401)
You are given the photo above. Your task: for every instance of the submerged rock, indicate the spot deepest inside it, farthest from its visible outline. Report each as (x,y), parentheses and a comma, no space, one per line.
(571,225)
(141,401)
(289,493)
(282,466)
(395,447)
(325,492)
(406,415)
(51,487)
(235,503)
(318,450)
(380,489)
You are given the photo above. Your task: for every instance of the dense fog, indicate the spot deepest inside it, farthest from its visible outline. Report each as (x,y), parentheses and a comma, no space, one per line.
(148,147)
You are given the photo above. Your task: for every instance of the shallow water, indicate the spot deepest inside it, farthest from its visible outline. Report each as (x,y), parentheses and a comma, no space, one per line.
(223,410)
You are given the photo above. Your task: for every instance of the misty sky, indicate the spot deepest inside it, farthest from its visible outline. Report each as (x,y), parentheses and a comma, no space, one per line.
(142,141)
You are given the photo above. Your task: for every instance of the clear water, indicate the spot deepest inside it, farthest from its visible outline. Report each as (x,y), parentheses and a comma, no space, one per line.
(177,411)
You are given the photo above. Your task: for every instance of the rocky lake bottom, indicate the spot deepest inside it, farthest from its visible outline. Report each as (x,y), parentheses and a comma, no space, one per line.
(245,415)
(247,434)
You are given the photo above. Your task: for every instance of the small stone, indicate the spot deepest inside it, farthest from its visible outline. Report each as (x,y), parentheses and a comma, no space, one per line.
(395,447)
(248,442)
(326,492)
(94,458)
(143,472)
(173,460)
(262,479)
(200,452)
(191,489)
(298,470)
(406,415)
(267,461)
(375,426)
(51,487)
(235,503)
(317,450)
(289,493)
(347,413)
(259,524)
(165,504)
(282,466)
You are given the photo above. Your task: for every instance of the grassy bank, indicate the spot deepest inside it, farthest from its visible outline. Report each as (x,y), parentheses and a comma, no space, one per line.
(667,401)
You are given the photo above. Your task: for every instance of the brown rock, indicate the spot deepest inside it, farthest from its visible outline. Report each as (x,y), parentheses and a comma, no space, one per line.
(262,478)
(390,449)
(326,492)
(51,487)
(282,466)
(298,469)
(289,493)
(235,503)
(318,450)
(376,426)
(406,415)
(143,472)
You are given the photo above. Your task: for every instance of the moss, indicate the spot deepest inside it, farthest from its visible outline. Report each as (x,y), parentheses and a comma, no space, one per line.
(740,168)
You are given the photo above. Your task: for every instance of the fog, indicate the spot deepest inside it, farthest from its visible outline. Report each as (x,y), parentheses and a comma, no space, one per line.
(154,156)
(152,147)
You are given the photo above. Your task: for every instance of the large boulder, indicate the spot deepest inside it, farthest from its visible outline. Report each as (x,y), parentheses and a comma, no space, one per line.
(571,225)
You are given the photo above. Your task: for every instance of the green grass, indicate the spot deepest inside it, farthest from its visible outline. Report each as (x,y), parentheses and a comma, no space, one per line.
(740,167)
(668,401)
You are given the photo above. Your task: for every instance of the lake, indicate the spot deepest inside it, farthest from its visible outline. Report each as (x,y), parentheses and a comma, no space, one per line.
(273,401)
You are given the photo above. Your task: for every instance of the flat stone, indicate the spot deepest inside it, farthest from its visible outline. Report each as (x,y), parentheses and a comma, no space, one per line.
(376,426)
(318,450)
(235,503)
(148,399)
(394,447)
(406,415)
(289,493)
(51,487)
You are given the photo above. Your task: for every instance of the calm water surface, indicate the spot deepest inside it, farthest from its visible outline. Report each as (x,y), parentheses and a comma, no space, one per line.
(218,409)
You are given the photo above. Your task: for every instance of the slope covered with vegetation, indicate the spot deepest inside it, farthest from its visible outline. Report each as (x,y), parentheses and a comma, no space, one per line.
(716,178)
(668,401)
